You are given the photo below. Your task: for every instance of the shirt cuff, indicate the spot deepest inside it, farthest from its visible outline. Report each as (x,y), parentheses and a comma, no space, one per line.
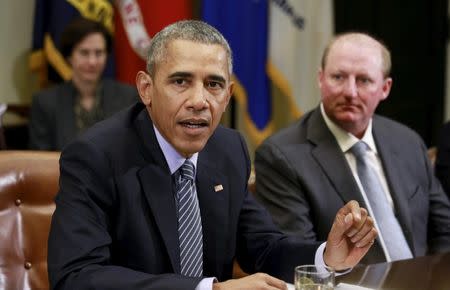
(320,262)
(206,283)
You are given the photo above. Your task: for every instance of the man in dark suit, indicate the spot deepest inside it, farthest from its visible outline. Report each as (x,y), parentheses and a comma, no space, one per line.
(120,219)
(307,171)
(442,165)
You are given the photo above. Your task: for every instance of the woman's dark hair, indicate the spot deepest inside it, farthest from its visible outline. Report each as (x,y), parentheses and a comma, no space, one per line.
(77,30)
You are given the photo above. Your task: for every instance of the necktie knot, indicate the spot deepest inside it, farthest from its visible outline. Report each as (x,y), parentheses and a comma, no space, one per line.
(359,149)
(187,170)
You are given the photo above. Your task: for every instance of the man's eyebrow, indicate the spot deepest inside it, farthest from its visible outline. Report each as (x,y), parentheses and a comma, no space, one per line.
(217,78)
(180,75)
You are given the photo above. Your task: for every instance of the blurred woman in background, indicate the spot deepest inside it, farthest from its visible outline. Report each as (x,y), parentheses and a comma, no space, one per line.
(60,113)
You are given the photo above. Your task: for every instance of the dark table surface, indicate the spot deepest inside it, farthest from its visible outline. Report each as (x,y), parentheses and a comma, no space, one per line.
(422,273)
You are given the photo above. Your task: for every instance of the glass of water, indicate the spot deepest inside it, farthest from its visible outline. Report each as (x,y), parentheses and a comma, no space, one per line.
(310,277)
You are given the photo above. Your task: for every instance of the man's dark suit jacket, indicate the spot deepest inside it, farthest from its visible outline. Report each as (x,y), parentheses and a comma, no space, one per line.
(115,224)
(443,158)
(303,178)
(52,123)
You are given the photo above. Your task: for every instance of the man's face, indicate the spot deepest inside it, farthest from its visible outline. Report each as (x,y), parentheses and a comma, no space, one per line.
(352,84)
(188,93)
(88,58)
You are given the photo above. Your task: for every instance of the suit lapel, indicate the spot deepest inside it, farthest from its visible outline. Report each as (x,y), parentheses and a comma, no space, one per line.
(156,182)
(213,194)
(331,159)
(397,182)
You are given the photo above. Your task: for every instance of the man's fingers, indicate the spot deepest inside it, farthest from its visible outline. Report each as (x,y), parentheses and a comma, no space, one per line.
(365,228)
(345,218)
(355,209)
(358,224)
(274,282)
(255,281)
(368,239)
(270,282)
(351,236)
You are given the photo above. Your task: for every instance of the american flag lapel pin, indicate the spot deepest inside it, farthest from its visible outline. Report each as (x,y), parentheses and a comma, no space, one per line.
(218,187)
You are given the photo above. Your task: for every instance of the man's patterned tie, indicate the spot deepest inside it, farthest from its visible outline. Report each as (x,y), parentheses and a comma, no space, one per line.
(189,223)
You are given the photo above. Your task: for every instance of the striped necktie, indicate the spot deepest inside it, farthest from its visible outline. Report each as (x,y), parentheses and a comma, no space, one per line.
(189,223)
(390,229)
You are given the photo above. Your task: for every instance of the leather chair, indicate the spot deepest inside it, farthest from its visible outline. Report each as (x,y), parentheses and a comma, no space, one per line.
(28,185)
(3,108)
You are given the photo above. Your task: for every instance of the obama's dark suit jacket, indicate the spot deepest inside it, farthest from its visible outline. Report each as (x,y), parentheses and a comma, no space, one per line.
(115,224)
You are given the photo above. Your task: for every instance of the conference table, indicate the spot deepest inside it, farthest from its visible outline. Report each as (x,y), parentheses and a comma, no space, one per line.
(422,273)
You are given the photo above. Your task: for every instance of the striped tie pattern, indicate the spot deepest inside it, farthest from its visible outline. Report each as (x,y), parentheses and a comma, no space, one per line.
(390,229)
(189,223)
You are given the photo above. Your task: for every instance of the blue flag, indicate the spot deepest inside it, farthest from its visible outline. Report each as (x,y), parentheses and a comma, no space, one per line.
(245,25)
(51,17)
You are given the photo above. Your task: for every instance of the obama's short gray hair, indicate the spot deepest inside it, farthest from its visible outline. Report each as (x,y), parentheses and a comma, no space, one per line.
(191,30)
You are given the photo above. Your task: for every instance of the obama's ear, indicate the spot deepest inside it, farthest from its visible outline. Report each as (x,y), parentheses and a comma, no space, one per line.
(144,84)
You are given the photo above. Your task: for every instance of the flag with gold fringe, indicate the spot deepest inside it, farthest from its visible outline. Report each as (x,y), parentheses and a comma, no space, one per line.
(244,24)
(51,17)
(299,31)
(277,45)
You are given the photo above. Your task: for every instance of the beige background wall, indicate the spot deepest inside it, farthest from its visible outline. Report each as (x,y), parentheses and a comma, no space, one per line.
(16,30)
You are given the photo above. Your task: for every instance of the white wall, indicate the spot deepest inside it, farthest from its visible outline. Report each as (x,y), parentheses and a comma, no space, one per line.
(16,29)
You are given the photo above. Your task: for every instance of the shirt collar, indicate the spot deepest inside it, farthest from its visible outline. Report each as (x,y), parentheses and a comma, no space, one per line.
(173,158)
(345,139)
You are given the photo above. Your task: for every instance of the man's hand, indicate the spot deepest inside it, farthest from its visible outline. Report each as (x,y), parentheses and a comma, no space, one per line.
(256,281)
(351,236)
